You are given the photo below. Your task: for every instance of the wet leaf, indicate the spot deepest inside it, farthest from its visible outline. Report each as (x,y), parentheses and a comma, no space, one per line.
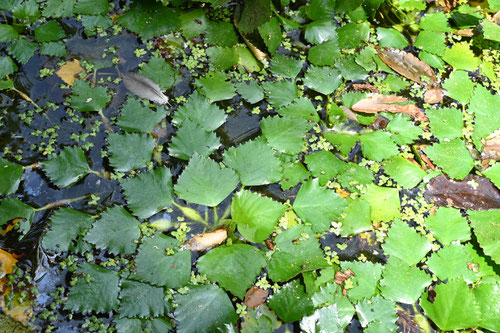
(271,34)
(221,34)
(130,151)
(285,134)
(405,173)
(285,66)
(280,93)
(487,295)
(148,193)
(136,117)
(65,225)
(141,300)
(460,56)
(344,141)
(293,173)
(377,312)
(160,72)
(350,69)
(408,65)
(12,208)
(206,240)
(22,50)
(68,167)
(69,70)
(291,302)
(329,319)
(84,98)
(7,66)
(389,37)
(448,225)
(432,42)
(378,145)
(193,139)
(91,7)
(255,215)
(193,23)
(96,293)
(10,176)
(250,91)
(58,8)
(405,243)
(389,103)
(255,296)
(317,205)
(222,58)
(115,231)
(353,35)
(204,182)
(356,218)
(209,304)
(53,49)
(458,86)
(7,264)
(233,267)
(300,108)
(384,202)
(320,31)
(254,162)
(322,79)
(7,33)
(325,53)
(452,156)
(324,166)
(473,192)
(454,306)
(493,173)
(299,252)
(355,175)
(158,21)
(487,231)
(446,123)
(365,279)
(49,32)
(215,86)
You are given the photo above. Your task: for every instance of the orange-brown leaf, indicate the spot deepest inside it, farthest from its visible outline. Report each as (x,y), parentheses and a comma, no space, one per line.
(7,263)
(255,296)
(206,240)
(433,96)
(378,103)
(340,277)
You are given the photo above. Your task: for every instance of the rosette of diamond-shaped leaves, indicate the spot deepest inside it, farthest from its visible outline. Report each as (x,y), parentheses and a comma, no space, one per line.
(136,117)
(318,205)
(204,308)
(204,182)
(254,162)
(161,262)
(115,231)
(10,177)
(65,225)
(130,151)
(149,192)
(285,134)
(255,215)
(85,98)
(96,290)
(405,243)
(200,111)
(139,299)
(68,167)
(241,265)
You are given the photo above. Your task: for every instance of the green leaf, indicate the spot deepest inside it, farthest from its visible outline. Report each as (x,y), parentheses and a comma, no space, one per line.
(96,290)
(156,266)
(221,34)
(389,37)
(454,306)
(93,24)
(350,69)
(12,208)
(84,98)
(6,84)
(451,262)
(432,42)
(355,175)
(254,162)
(491,31)
(435,22)
(49,32)
(377,310)
(448,225)
(200,111)
(329,319)
(130,151)
(483,105)
(156,21)
(10,176)
(233,267)
(115,231)
(91,7)
(285,66)
(460,56)
(405,173)
(215,86)
(321,9)
(208,305)
(401,283)
(193,23)
(317,205)
(7,33)
(452,156)
(384,202)
(365,280)
(7,66)
(300,108)
(353,35)
(160,71)
(22,50)
(126,325)
(343,141)
(149,192)
(445,123)
(378,145)
(458,86)
(395,83)
(193,139)
(222,58)
(68,167)
(324,54)
(324,166)
(27,11)
(54,49)
(493,173)
(250,91)
(58,8)
(299,251)
(285,134)
(65,226)
(405,243)
(356,218)
(321,31)
(322,79)
(141,300)
(366,59)
(271,34)
(255,215)
(136,117)
(487,296)
(159,325)
(293,173)
(280,93)
(291,302)
(204,182)
(487,231)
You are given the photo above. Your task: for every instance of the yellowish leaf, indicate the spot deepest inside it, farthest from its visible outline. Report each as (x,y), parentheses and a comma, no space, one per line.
(206,240)
(7,263)
(68,71)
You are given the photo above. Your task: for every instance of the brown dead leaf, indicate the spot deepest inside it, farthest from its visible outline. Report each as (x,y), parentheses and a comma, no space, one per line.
(465,32)
(378,103)
(255,296)
(407,321)
(474,192)
(364,87)
(491,147)
(407,65)
(68,71)
(433,96)
(206,240)
(340,277)
(349,114)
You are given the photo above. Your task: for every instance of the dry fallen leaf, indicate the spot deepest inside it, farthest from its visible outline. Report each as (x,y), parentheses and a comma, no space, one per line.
(206,240)
(340,277)
(491,148)
(378,103)
(68,71)
(364,87)
(433,96)
(255,296)
(407,65)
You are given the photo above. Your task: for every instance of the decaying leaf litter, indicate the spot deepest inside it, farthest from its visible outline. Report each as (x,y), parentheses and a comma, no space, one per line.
(250,165)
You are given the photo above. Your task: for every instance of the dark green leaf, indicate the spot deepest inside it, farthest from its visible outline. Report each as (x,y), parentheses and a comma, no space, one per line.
(301,108)
(200,111)
(285,66)
(325,53)
(54,49)
(142,300)
(215,86)
(7,33)
(222,58)
(291,302)
(159,21)
(280,93)
(136,117)
(93,24)
(322,79)
(91,7)
(58,8)
(68,167)
(65,226)
(293,173)
(130,151)
(84,98)
(49,32)
(285,134)
(192,138)
(378,145)
(403,130)
(320,31)
(389,37)
(160,71)
(22,50)
(324,166)
(353,35)
(10,176)
(7,66)
(221,34)
(271,34)
(12,208)
(193,23)
(250,91)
